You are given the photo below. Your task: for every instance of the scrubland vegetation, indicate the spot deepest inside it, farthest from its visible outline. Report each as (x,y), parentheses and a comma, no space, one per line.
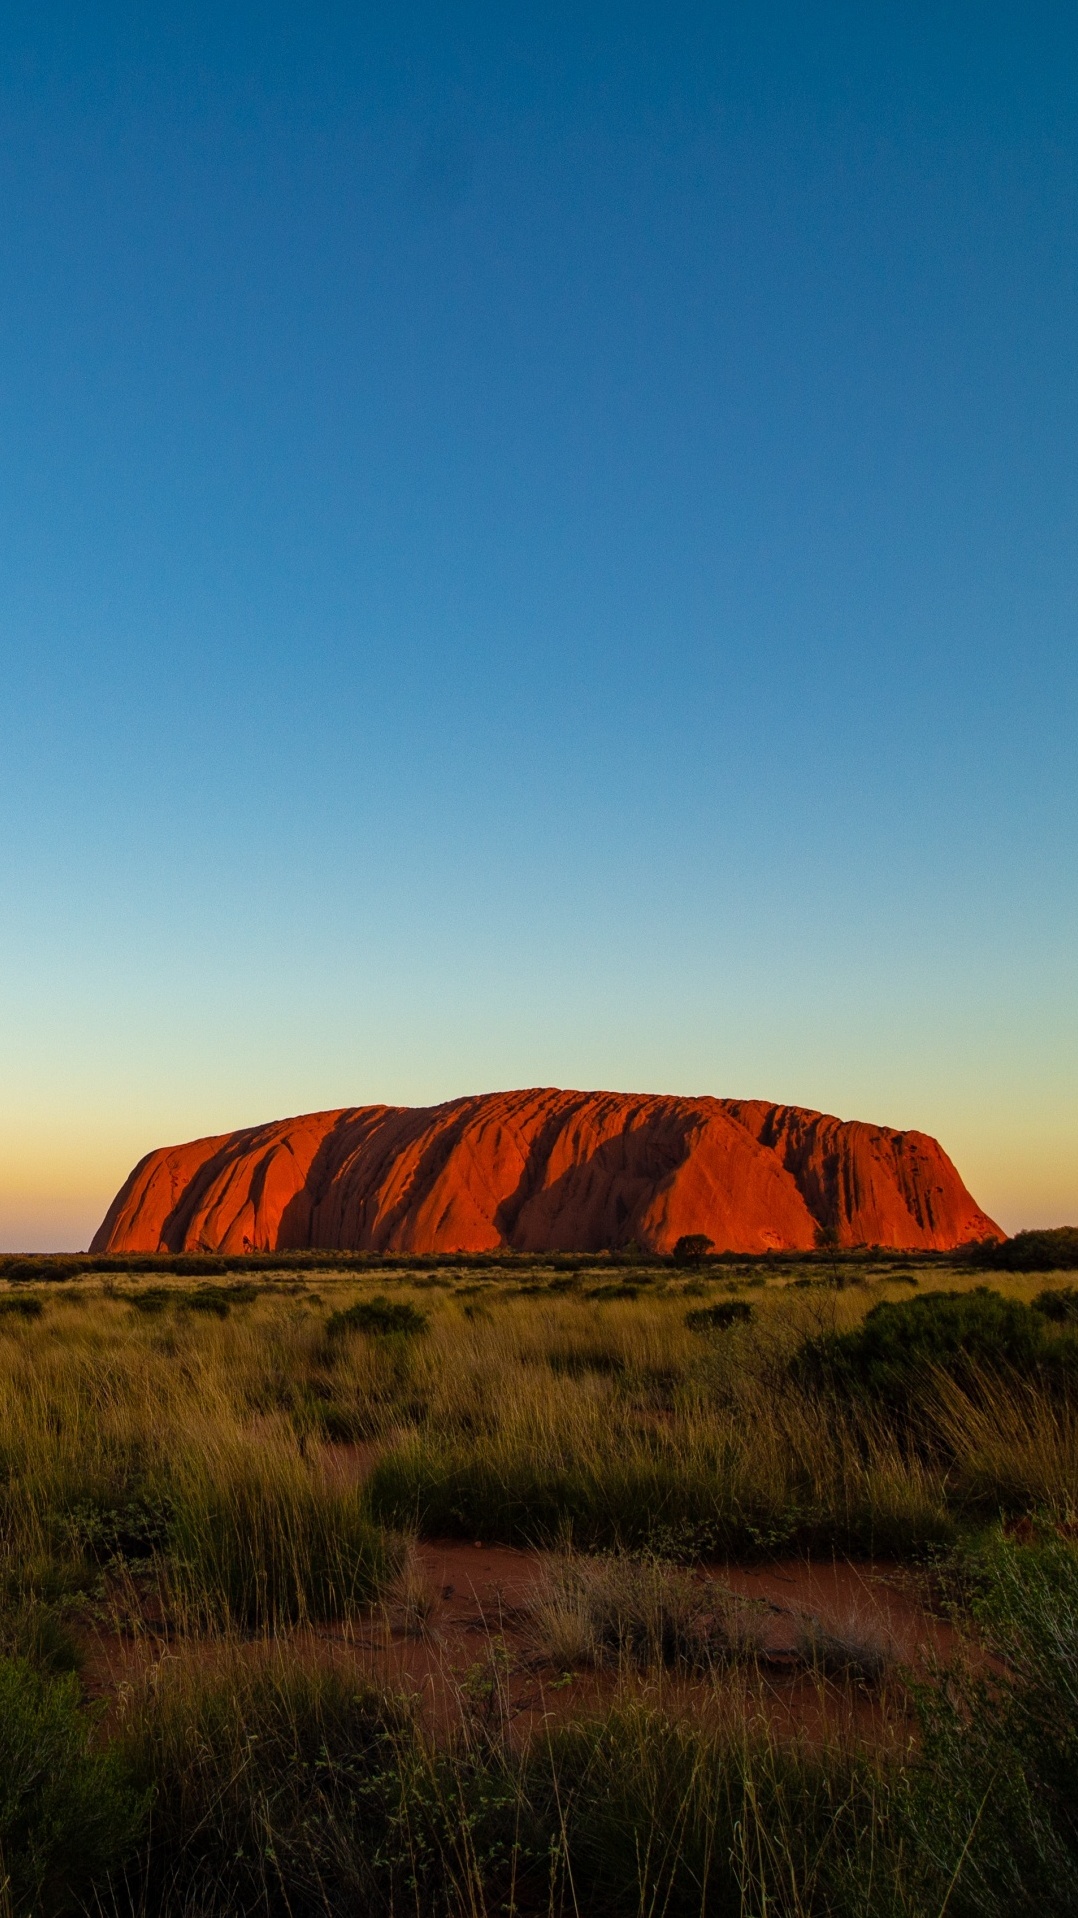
(209,1485)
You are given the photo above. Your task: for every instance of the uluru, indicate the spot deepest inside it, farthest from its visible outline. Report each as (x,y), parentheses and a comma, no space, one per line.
(542,1171)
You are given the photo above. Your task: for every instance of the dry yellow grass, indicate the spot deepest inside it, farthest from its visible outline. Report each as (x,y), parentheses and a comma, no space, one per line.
(222,1455)
(514,1415)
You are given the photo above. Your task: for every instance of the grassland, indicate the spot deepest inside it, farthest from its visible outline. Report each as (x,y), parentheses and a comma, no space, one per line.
(213,1470)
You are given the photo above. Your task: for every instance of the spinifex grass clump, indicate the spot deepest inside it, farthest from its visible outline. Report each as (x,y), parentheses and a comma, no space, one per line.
(36,1627)
(978,1820)
(176,1440)
(623,1610)
(655,1813)
(282,1788)
(291,1789)
(991,1808)
(160,1452)
(259,1779)
(261,1541)
(69,1813)
(860,1649)
(1011,1449)
(645,1438)
(180,1464)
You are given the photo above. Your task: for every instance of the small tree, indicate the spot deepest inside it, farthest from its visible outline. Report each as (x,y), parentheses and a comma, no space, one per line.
(692,1248)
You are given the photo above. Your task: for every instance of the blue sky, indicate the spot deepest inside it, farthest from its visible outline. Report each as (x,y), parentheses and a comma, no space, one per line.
(537,545)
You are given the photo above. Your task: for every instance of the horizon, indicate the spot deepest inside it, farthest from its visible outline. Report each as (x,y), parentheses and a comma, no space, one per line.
(537,552)
(458,1099)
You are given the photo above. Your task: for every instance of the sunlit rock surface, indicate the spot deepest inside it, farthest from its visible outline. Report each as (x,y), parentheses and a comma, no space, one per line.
(542,1171)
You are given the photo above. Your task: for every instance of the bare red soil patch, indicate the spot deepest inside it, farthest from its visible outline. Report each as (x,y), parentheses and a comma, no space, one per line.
(458,1635)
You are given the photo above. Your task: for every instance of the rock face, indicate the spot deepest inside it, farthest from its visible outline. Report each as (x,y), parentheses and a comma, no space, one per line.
(544,1171)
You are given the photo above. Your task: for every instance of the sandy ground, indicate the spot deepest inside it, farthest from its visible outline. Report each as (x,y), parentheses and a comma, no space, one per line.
(461,1640)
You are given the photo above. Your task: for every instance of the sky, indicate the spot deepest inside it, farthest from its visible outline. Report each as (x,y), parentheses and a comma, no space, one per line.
(537,547)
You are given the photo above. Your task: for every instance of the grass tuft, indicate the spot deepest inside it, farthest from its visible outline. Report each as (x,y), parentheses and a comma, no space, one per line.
(622,1610)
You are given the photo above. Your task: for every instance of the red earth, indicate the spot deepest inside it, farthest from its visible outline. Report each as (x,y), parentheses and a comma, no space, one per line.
(469,1643)
(544,1171)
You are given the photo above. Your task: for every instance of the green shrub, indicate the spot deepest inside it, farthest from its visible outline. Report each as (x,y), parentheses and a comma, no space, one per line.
(220,1298)
(891,1356)
(153,1298)
(22,1305)
(117,1522)
(22,1267)
(214,1299)
(1061,1306)
(68,1815)
(719,1317)
(1052,1250)
(692,1248)
(380,1316)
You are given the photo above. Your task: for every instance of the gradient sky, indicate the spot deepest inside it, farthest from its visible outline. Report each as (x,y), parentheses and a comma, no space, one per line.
(537,546)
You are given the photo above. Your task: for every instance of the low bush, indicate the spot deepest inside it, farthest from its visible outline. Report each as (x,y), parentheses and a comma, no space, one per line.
(719,1317)
(209,1298)
(120,1522)
(692,1248)
(20,1305)
(216,1300)
(152,1299)
(577,1361)
(891,1358)
(1051,1250)
(1060,1306)
(379,1316)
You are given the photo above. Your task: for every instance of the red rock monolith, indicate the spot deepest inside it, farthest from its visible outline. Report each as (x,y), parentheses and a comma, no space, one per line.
(542,1171)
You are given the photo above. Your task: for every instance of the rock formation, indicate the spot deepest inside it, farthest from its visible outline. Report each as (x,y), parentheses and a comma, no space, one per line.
(543,1171)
